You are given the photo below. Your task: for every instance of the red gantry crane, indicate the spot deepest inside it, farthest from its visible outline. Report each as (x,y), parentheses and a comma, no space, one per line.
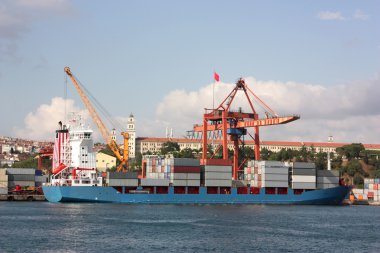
(121,154)
(233,125)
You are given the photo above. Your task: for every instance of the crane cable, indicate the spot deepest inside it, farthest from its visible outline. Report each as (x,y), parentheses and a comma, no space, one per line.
(114,122)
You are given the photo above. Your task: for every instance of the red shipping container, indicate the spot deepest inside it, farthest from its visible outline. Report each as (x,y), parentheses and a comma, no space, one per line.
(370,194)
(186,169)
(216,162)
(248,170)
(376,186)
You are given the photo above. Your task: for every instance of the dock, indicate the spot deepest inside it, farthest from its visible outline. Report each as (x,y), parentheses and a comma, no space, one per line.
(22,197)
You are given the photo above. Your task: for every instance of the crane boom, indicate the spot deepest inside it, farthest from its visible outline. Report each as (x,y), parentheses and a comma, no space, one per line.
(122,156)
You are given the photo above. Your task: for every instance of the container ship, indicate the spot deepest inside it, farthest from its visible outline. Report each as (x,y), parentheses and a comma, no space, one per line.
(168,180)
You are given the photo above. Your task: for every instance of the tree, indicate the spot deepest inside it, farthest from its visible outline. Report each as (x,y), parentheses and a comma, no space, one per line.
(187,153)
(351,151)
(265,153)
(354,167)
(169,147)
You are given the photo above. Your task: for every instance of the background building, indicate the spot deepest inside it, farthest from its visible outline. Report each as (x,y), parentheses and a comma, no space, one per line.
(131,130)
(104,161)
(144,144)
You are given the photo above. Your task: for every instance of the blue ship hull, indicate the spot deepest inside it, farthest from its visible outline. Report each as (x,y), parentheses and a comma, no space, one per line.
(331,196)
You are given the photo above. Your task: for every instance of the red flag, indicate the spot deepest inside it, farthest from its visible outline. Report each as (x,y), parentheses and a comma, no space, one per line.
(216,77)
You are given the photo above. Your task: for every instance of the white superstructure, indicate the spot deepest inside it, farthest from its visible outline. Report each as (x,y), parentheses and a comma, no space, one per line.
(74,161)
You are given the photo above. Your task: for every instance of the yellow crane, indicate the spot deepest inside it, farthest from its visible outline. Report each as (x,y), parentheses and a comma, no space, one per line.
(121,155)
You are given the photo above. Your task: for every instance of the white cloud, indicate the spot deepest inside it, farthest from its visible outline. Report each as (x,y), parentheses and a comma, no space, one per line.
(349,112)
(41,124)
(359,14)
(329,15)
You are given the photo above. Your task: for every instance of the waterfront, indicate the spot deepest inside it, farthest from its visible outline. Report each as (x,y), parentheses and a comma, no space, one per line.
(47,227)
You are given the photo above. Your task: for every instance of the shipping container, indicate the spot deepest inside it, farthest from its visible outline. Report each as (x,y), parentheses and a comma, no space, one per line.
(122,175)
(193,182)
(4,184)
(275,177)
(328,180)
(215,168)
(21,171)
(274,170)
(274,164)
(122,182)
(22,177)
(3,190)
(306,172)
(274,184)
(327,173)
(179,182)
(225,183)
(218,175)
(175,176)
(186,162)
(3,177)
(297,185)
(193,176)
(304,179)
(186,169)
(154,182)
(303,165)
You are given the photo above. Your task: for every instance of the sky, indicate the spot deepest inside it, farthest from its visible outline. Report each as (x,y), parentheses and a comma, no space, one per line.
(156,59)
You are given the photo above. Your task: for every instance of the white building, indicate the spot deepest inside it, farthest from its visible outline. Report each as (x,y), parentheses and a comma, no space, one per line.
(131,130)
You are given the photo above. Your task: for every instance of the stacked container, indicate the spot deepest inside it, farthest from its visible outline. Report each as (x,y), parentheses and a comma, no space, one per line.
(129,179)
(156,167)
(217,176)
(21,177)
(327,179)
(303,175)
(3,181)
(273,174)
(184,171)
(372,188)
(252,175)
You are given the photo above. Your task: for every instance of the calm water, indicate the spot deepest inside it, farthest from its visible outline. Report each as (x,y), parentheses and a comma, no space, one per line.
(46,227)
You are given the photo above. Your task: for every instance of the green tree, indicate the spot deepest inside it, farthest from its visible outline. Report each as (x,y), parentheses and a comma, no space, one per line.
(265,153)
(187,153)
(354,167)
(351,151)
(169,147)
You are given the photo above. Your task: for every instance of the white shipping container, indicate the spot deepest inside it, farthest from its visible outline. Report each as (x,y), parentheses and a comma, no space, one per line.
(215,168)
(304,179)
(193,182)
(123,182)
(175,176)
(275,177)
(217,175)
(274,184)
(275,170)
(3,177)
(154,182)
(3,190)
(179,182)
(303,185)
(193,176)
(370,186)
(222,183)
